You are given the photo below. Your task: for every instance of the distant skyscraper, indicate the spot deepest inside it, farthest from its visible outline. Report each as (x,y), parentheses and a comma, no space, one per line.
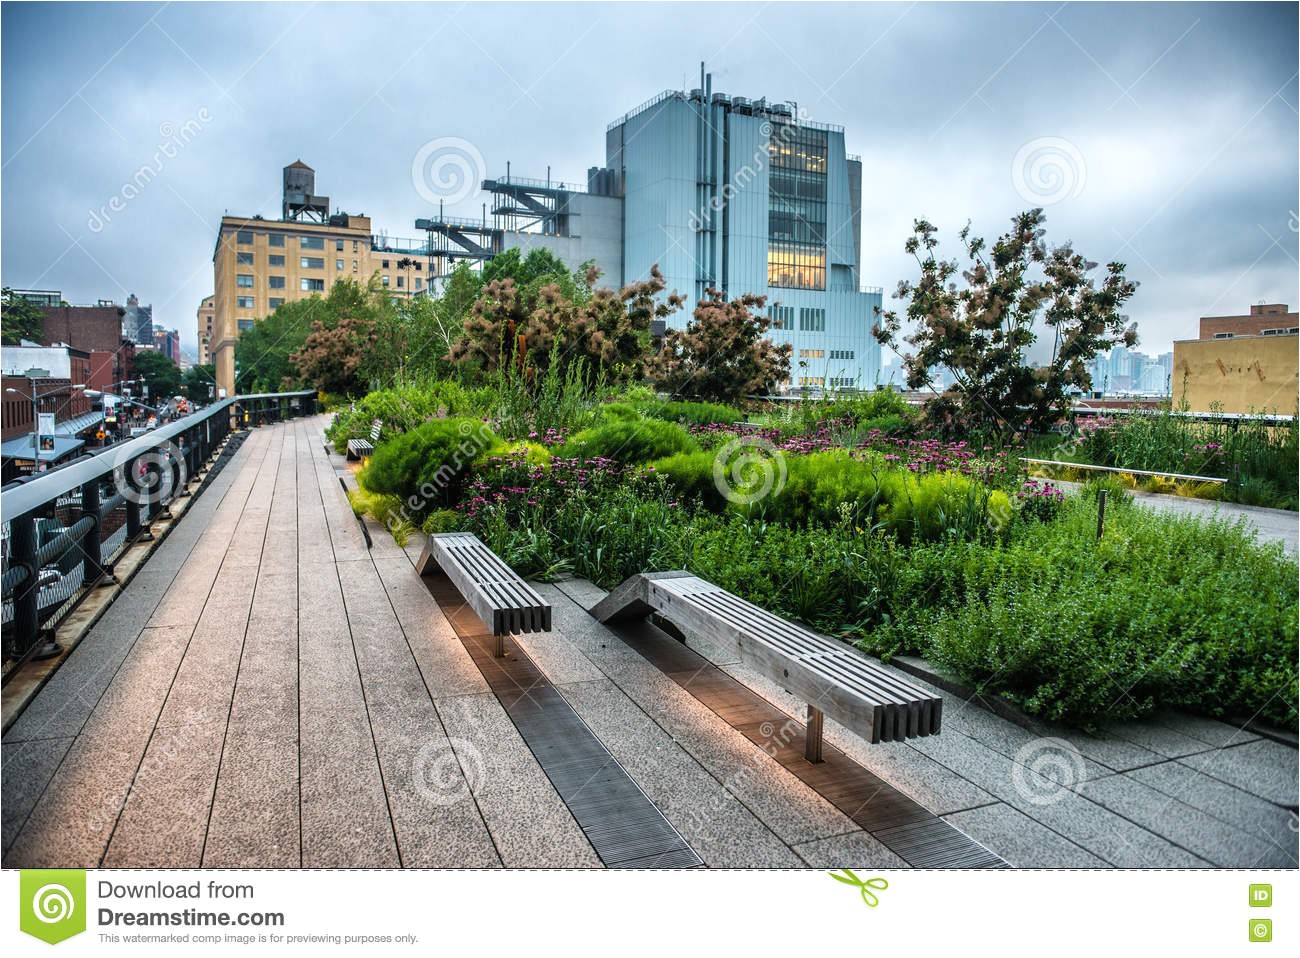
(137,322)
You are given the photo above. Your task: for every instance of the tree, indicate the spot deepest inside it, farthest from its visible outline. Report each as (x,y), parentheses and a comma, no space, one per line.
(607,331)
(981,332)
(262,353)
(160,374)
(22,319)
(722,355)
(332,356)
(199,383)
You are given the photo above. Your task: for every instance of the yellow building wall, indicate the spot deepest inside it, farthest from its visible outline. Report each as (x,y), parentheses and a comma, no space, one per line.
(1244,374)
(345,254)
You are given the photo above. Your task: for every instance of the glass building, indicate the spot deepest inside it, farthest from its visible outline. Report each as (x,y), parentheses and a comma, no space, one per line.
(749,197)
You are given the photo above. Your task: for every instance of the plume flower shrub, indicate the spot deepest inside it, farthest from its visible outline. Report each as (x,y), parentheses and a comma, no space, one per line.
(630,441)
(426,467)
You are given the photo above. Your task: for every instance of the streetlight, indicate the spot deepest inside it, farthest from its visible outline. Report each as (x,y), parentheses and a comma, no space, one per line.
(35,397)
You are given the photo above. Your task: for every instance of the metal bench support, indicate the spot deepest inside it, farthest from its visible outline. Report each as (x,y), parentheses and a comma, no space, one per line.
(812,746)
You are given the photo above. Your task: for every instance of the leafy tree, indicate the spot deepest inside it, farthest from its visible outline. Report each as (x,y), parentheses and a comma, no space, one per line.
(331,358)
(197,382)
(160,374)
(981,332)
(722,355)
(262,353)
(22,319)
(607,331)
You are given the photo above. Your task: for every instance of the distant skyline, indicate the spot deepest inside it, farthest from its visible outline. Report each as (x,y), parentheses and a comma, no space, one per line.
(1160,135)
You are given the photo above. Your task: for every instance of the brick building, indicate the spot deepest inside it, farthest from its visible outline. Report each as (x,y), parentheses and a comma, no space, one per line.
(98,331)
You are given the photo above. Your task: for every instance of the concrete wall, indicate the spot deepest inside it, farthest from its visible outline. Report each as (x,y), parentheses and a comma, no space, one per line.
(598,223)
(1245,374)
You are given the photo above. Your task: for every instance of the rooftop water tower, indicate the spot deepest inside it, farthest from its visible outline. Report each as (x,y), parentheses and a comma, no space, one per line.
(300,200)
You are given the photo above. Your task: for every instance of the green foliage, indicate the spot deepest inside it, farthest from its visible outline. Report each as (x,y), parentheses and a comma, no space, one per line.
(199,384)
(426,467)
(692,413)
(981,332)
(631,442)
(403,408)
(160,374)
(387,509)
(443,520)
(1162,611)
(262,353)
(22,319)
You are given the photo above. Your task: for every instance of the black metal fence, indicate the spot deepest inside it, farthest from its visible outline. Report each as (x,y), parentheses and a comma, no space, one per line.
(64,530)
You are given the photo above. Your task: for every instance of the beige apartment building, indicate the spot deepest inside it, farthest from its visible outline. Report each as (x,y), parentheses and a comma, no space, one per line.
(206,315)
(1241,364)
(258,264)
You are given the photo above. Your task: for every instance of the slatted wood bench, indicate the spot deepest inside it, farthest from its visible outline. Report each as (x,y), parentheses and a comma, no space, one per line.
(360,448)
(506,603)
(829,675)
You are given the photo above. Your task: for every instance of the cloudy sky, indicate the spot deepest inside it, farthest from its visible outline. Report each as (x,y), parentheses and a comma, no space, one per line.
(1162,135)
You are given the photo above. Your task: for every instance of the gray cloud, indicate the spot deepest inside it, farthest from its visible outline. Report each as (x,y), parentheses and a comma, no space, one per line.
(1183,118)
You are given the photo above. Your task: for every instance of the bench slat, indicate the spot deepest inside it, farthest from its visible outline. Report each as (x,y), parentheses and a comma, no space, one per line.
(504,602)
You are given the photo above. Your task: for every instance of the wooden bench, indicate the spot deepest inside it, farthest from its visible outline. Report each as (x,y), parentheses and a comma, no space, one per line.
(506,603)
(830,676)
(360,448)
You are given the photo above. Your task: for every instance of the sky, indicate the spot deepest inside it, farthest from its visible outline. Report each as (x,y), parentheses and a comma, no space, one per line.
(1160,135)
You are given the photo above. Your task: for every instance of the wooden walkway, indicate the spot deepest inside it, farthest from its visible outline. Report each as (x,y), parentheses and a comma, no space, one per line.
(268,692)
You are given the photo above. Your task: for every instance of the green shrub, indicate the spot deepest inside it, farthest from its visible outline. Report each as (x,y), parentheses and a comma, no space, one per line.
(443,520)
(426,467)
(401,409)
(939,504)
(386,509)
(630,442)
(616,412)
(692,413)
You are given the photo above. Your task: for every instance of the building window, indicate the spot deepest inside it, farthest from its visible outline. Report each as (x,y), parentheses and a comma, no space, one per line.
(338,265)
(275,239)
(812,320)
(419,283)
(245,325)
(1223,335)
(312,242)
(312,285)
(244,238)
(338,246)
(401,281)
(841,354)
(244,259)
(791,266)
(312,262)
(782,317)
(244,280)
(385,264)
(385,280)
(274,260)
(276,302)
(354,246)
(417,267)
(275,282)
(354,266)
(244,302)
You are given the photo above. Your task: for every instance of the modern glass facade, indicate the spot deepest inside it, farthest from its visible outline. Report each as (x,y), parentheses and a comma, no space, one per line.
(746,197)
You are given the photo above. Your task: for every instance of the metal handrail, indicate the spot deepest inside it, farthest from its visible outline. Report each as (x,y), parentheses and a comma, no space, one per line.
(1131,472)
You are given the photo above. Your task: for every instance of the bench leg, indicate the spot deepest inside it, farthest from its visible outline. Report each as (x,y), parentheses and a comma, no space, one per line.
(498,646)
(812,748)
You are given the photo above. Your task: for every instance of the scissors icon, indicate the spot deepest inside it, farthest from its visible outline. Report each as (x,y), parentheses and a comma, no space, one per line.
(868,896)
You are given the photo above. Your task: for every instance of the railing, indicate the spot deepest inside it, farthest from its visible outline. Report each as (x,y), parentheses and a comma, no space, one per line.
(64,530)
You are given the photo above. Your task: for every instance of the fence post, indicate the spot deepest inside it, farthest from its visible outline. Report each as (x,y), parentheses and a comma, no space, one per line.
(92,563)
(27,623)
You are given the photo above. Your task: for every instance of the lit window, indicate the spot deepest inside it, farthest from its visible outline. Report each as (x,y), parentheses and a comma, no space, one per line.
(312,242)
(244,259)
